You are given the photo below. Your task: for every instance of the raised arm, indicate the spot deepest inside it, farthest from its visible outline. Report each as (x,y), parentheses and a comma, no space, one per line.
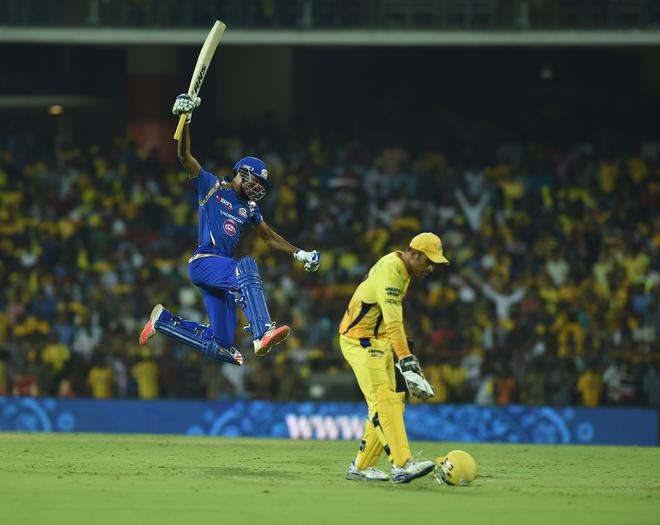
(186,159)
(186,104)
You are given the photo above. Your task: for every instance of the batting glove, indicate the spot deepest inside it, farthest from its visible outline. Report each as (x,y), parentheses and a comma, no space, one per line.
(417,384)
(312,260)
(184,103)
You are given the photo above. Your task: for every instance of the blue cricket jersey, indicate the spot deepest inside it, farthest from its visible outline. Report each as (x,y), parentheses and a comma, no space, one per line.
(222,215)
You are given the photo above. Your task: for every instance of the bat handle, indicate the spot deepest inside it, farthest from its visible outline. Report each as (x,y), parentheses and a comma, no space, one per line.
(179,127)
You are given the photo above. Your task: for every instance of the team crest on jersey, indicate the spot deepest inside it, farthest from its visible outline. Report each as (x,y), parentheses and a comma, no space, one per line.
(224,202)
(242,212)
(230,227)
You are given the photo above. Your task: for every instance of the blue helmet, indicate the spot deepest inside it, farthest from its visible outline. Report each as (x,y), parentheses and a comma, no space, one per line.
(253,166)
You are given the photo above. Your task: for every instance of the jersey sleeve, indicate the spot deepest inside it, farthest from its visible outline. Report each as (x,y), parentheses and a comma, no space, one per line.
(255,215)
(204,182)
(389,294)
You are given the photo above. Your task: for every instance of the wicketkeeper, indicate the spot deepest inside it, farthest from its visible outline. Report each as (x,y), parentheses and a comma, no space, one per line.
(225,207)
(371,329)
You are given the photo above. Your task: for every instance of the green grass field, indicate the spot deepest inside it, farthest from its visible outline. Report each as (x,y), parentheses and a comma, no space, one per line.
(99,479)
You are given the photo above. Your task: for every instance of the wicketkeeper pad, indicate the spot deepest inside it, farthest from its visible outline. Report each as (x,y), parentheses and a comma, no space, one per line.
(371,447)
(390,406)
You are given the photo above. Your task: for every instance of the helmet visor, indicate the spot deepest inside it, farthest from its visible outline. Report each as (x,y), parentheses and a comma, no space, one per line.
(251,185)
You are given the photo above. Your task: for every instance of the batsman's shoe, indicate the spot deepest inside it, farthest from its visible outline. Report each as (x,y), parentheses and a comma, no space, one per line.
(368,474)
(273,336)
(411,470)
(149,329)
(228,355)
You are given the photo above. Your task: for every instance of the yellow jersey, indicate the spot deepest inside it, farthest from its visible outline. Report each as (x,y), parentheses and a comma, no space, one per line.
(375,310)
(146,375)
(100,380)
(56,355)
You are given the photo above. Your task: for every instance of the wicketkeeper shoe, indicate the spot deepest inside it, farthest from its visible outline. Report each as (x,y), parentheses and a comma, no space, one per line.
(149,330)
(368,474)
(411,470)
(272,337)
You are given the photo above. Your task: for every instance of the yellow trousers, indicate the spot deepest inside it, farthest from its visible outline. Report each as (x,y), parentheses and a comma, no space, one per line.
(373,365)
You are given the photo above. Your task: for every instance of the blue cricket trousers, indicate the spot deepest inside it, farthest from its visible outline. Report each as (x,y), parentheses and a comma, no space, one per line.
(215,276)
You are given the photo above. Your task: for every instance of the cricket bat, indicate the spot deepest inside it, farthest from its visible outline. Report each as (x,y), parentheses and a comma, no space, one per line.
(202,66)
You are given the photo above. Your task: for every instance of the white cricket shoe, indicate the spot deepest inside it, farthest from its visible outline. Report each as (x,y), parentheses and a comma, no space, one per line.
(368,474)
(411,470)
(273,336)
(149,330)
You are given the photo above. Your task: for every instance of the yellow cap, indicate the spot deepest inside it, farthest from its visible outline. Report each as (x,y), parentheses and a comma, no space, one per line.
(430,245)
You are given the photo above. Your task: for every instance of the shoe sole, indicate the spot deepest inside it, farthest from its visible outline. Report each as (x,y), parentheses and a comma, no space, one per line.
(149,331)
(407,478)
(278,336)
(359,477)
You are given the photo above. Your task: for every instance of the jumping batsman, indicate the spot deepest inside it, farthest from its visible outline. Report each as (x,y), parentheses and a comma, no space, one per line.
(225,207)
(371,329)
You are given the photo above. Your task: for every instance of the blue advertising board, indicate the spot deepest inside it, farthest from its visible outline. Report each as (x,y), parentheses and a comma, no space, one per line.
(316,420)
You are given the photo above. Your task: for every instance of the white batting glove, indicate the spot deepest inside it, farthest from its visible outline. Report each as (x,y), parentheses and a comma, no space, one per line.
(312,260)
(416,383)
(184,103)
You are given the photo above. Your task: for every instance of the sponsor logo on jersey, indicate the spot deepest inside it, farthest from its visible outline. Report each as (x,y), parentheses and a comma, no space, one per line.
(224,202)
(232,217)
(242,212)
(230,227)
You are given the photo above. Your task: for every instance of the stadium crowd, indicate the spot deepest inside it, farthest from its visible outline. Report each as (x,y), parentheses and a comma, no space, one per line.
(552,295)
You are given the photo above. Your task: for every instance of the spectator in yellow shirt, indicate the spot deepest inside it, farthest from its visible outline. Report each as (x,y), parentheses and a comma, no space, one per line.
(145,373)
(590,387)
(55,354)
(570,335)
(101,380)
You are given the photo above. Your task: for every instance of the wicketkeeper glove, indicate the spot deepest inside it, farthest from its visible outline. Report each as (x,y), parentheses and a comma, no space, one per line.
(417,384)
(184,103)
(312,259)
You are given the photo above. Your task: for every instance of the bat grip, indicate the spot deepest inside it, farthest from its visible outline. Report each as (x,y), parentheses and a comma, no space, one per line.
(179,127)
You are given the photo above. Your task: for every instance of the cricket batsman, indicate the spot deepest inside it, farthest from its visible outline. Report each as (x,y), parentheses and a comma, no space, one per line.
(371,329)
(225,207)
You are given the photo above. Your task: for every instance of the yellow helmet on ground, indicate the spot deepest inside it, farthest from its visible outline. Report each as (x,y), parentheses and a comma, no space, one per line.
(456,468)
